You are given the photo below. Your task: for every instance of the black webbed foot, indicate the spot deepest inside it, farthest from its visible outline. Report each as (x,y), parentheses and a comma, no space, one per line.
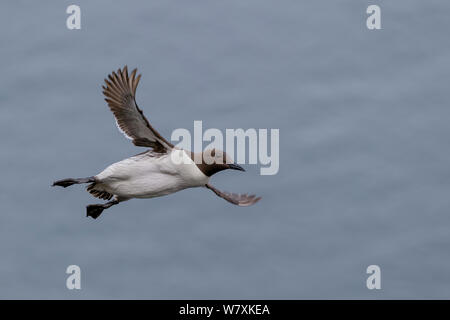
(95,210)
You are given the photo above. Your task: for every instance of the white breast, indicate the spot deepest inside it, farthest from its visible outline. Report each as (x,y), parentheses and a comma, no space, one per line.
(147,175)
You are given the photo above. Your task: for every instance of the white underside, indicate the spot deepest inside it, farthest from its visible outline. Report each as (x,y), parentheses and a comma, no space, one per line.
(149,176)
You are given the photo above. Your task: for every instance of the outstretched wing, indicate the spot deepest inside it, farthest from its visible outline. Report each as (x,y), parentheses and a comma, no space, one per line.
(120,93)
(242,200)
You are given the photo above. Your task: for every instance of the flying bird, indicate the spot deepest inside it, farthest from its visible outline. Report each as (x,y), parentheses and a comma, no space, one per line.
(161,170)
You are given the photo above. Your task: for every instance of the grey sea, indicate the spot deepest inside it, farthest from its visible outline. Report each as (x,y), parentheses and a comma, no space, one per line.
(364,175)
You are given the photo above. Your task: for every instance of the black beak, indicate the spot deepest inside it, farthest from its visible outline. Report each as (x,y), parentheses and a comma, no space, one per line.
(235,167)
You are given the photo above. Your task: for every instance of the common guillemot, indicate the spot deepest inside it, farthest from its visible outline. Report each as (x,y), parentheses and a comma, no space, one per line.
(162,170)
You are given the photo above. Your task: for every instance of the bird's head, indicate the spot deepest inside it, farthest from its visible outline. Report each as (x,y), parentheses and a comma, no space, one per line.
(215,160)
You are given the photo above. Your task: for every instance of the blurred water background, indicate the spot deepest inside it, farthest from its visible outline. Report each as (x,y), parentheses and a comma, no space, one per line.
(364,148)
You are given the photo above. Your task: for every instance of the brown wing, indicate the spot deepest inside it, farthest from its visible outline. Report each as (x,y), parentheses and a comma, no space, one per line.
(120,93)
(242,200)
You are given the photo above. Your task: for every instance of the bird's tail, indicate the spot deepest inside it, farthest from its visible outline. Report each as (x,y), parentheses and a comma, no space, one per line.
(70,181)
